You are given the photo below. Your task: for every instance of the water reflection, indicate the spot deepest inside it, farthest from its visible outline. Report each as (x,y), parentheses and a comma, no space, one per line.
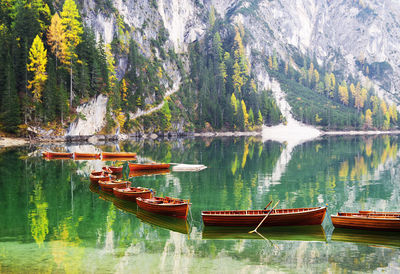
(52,209)
(38,214)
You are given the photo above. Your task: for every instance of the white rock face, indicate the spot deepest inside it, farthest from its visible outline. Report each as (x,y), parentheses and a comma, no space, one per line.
(336,33)
(94,112)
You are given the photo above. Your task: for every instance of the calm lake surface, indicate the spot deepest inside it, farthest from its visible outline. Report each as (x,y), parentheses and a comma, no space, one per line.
(54,220)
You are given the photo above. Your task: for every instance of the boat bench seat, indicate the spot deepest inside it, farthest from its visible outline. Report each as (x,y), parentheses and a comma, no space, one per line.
(153,201)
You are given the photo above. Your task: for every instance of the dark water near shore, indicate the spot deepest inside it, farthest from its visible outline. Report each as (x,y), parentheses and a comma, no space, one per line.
(54,220)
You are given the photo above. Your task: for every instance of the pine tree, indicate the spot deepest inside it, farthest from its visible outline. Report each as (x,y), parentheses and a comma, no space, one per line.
(37,65)
(73,30)
(234,103)
(50,95)
(245,114)
(10,108)
(259,118)
(56,37)
(251,117)
(343,93)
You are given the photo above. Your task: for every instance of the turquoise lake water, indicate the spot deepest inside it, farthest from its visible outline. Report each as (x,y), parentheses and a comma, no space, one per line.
(55,221)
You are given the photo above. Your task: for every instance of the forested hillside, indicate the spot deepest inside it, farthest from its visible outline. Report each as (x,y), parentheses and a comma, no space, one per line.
(53,60)
(323,97)
(52,63)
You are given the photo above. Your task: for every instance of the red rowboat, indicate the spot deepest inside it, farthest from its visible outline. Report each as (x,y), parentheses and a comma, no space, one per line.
(165,206)
(57,155)
(107,155)
(113,169)
(96,176)
(109,185)
(131,193)
(86,156)
(278,217)
(150,172)
(370,220)
(149,166)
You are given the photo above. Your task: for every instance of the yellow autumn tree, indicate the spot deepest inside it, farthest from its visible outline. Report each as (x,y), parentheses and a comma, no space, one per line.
(234,103)
(124,91)
(270,62)
(237,78)
(120,118)
(245,114)
(112,78)
(56,37)
(316,76)
(368,118)
(37,65)
(241,66)
(383,106)
(343,93)
(393,112)
(73,30)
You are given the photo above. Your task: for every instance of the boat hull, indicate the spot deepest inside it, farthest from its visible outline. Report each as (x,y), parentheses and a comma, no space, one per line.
(367,222)
(86,156)
(57,155)
(97,176)
(175,210)
(109,185)
(107,155)
(133,166)
(138,173)
(131,193)
(251,218)
(113,169)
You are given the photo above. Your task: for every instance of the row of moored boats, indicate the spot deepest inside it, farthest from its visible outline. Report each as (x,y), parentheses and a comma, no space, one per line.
(146,200)
(90,156)
(109,180)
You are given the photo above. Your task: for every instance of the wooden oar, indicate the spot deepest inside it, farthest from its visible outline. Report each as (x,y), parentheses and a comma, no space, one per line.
(267,205)
(255,230)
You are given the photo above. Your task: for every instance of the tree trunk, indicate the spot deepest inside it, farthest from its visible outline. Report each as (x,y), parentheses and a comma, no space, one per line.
(70,89)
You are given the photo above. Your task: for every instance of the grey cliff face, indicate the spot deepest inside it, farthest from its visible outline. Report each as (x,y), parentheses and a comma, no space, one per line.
(339,34)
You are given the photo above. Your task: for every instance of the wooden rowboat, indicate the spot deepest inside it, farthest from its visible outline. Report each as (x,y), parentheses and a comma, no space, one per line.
(131,193)
(149,166)
(107,155)
(86,156)
(150,172)
(165,206)
(96,176)
(57,155)
(113,169)
(369,220)
(278,217)
(110,184)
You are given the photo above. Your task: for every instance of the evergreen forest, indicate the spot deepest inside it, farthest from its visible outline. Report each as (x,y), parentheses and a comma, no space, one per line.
(52,62)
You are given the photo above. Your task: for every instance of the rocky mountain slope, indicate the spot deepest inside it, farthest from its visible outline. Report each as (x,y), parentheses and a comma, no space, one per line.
(357,39)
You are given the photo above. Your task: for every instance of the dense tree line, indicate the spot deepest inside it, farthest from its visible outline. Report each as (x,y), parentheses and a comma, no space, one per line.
(50,63)
(322,97)
(222,93)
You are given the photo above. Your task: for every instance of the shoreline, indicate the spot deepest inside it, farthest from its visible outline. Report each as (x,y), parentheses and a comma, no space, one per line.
(15,141)
(362,132)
